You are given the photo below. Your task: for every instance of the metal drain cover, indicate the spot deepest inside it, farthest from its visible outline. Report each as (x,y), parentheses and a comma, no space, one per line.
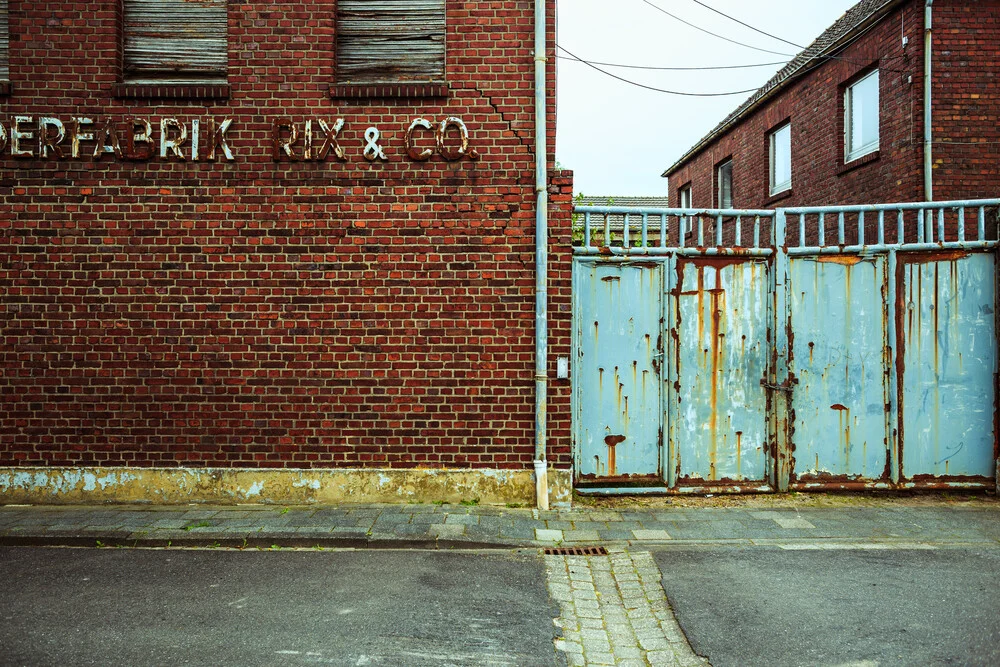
(575,551)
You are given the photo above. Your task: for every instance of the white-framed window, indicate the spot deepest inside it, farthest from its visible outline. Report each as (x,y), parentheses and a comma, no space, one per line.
(175,41)
(684,196)
(684,201)
(861,117)
(781,159)
(388,41)
(724,184)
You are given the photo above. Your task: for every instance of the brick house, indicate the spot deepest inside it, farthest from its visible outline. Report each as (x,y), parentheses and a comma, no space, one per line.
(264,253)
(844,121)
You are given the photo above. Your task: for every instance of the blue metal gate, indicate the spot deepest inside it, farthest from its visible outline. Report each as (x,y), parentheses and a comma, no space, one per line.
(618,319)
(821,347)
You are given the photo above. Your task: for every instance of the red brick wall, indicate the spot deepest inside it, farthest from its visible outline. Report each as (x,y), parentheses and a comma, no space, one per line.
(965,65)
(277,313)
(965,78)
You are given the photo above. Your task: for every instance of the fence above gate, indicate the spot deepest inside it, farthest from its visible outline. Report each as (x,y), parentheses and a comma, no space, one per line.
(869,330)
(624,230)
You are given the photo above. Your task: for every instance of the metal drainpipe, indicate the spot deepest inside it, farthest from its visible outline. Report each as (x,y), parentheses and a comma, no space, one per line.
(928,131)
(541,263)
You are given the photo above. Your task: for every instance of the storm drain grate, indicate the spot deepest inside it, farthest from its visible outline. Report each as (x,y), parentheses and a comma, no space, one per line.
(576,551)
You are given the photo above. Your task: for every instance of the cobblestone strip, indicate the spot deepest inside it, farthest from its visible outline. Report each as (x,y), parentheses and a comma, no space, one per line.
(613,611)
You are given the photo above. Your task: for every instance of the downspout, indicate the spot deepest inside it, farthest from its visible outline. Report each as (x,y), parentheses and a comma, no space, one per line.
(541,263)
(928,131)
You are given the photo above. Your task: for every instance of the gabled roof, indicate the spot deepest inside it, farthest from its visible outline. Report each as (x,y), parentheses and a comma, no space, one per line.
(615,200)
(855,20)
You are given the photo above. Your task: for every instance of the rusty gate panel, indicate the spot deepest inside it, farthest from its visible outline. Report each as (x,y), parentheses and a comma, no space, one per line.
(948,365)
(617,324)
(718,419)
(839,315)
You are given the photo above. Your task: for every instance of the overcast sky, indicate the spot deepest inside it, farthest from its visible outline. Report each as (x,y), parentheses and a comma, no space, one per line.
(619,138)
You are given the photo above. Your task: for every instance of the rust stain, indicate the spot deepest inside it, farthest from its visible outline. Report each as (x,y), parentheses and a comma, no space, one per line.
(609,279)
(901,307)
(739,454)
(701,303)
(719,263)
(935,256)
(634,480)
(717,303)
(935,306)
(612,441)
(845,260)
(845,432)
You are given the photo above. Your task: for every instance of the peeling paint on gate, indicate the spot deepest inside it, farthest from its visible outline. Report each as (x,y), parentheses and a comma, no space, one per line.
(869,362)
(720,330)
(839,313)
(950,361)
(618,316)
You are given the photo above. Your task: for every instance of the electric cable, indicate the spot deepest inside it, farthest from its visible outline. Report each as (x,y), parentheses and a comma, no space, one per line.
(708,32)
(658,90)
(674,69)
(746,25)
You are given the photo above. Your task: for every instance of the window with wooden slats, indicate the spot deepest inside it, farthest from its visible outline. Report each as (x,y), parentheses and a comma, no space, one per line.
(390,41)
(175,41)
(4,43)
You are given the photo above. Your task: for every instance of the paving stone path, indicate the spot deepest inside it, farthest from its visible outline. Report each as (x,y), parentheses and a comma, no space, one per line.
(613,611)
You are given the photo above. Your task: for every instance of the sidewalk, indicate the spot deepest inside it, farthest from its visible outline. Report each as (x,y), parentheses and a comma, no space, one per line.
(809,523)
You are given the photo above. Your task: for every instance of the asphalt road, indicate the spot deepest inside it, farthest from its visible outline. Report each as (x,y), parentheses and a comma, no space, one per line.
(767,606)
(212,607)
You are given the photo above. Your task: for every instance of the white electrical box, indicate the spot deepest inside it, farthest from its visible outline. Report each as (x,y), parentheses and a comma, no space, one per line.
(562,368)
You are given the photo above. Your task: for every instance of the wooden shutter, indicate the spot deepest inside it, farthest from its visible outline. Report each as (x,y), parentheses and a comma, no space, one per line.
(390,41)
(176,41)
(4,43)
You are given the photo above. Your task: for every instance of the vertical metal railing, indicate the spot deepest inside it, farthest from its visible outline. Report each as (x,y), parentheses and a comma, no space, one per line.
(631,231)
(918,226)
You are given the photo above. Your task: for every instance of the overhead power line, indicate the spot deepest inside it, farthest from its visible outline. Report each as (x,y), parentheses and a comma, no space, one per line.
(673,69)
(658,90)
(708,32)
(746,25)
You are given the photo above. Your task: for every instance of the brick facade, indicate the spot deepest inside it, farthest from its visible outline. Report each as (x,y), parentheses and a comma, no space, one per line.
(270,311)
(966,109)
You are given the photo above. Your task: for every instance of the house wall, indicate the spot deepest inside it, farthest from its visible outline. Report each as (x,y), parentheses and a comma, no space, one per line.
(965,79)
(269,312)
(965,106)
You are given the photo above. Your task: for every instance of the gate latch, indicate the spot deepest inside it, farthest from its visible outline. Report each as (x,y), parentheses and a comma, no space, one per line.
(783,386)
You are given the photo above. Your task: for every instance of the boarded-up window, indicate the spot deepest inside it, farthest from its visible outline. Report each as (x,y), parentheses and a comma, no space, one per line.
(390,41)
(175,41)
(4,42)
